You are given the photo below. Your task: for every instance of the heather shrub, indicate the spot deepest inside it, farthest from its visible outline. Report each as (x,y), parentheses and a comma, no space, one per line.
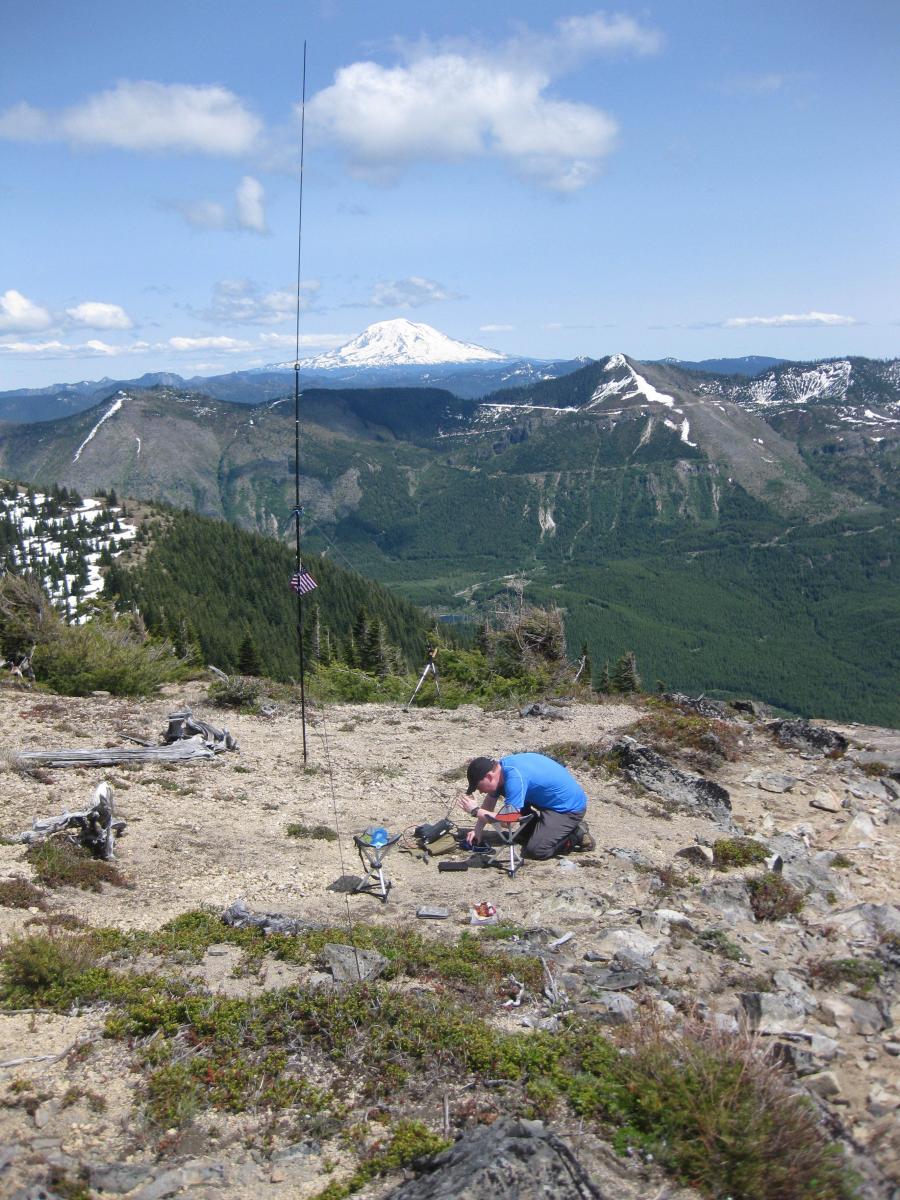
(772,898)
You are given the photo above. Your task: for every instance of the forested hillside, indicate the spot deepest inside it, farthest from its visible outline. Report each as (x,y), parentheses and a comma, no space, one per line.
(208,584)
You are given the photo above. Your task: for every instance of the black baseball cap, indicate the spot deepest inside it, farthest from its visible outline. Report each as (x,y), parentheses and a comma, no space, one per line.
(477,770)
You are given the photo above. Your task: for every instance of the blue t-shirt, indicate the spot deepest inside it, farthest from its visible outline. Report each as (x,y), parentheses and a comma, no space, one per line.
(539,782)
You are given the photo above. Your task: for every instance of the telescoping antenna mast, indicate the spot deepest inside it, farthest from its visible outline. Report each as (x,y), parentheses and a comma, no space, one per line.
(302,580)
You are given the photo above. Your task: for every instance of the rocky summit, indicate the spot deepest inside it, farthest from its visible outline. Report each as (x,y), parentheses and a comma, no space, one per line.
(743,886)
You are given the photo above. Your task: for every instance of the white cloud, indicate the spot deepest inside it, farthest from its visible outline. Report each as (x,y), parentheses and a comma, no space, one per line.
(56,349)
(496,328)
(144,115)
(18,314)
(308,341)
(205,214)
(23,123)
(241,300)
(409,293)
(227,345)
(97,315)
(249,210)
(448,104)
(249,200)
(602,33)
(788,319)
(35,348)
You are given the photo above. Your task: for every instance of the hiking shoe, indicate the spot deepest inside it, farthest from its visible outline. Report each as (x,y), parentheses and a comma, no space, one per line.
(582,838)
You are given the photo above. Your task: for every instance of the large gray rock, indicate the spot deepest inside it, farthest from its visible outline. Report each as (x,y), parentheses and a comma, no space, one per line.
(770,781)
(851,1015)
(803,735)
(773,1012)
(868,922)
(692,793)
(729,899)
(510,1160)
(349,965)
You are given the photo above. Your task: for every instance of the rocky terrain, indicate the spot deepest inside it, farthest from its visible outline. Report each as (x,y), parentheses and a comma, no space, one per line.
(653,924)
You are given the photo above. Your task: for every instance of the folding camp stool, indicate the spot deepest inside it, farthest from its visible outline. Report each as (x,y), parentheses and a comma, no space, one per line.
(371,855)
(507,824)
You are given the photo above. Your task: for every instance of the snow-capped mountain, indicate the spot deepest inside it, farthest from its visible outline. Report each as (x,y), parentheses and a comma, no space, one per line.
(401,343)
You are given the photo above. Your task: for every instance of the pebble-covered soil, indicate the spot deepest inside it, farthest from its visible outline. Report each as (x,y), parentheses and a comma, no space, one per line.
(208,833)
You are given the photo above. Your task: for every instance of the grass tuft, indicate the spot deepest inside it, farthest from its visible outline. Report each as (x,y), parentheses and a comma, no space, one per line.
(320,833)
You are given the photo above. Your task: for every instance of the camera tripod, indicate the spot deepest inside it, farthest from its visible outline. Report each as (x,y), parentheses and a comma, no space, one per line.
(429,669)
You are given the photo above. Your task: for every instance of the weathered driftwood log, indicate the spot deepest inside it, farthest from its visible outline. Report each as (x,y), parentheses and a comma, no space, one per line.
(183,725)
(185,738)
(97,827)
(177,752)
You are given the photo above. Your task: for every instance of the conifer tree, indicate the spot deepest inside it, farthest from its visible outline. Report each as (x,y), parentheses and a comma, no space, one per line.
(248,656)
(585,668)
(625,675)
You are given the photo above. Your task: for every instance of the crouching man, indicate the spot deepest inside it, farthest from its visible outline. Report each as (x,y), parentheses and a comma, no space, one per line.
(535,784)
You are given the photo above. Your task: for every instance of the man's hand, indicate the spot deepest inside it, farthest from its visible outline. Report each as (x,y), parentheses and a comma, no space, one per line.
(471,839)
(468,804)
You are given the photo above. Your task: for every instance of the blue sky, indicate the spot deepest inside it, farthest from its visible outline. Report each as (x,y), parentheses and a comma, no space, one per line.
(692,178)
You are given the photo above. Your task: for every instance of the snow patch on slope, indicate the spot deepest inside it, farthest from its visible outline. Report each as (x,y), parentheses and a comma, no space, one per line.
(629,385)
(113,408)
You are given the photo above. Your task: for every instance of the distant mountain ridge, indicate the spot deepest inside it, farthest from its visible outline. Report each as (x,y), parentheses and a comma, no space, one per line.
(738,533)
(396,353)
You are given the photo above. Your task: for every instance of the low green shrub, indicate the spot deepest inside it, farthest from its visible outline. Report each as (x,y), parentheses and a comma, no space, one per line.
(717,941)
(772,898)
(105,655)
(738,852)
(38,965)
(19,893)
(704,740)
(409,1140)
(237,691)
(58,862)
(863,973)
(714,1110)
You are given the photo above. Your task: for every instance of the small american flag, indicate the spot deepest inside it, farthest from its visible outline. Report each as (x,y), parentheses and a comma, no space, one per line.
(302,582)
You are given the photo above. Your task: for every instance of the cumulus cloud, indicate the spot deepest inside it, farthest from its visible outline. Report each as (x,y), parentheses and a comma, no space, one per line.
(244,301)
(248,213)
(449,104)
(97,315)
(18,314)
(789,319)
(146,116)
(250,209)
(409,293)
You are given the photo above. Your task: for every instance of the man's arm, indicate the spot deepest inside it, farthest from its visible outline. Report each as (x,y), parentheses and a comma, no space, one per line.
(479,811)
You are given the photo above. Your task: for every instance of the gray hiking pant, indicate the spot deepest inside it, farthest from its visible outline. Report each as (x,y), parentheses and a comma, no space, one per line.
(549,832)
